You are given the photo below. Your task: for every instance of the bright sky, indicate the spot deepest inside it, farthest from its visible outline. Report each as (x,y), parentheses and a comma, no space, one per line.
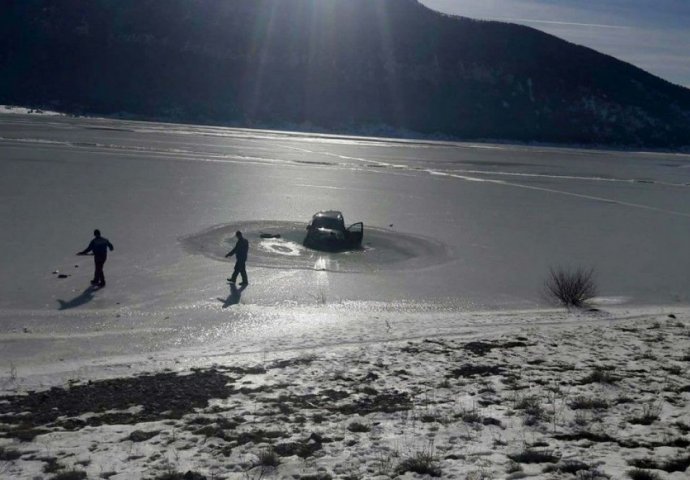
(651,34)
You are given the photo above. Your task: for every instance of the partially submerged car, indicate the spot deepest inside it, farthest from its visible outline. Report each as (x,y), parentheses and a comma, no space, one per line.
(327,231)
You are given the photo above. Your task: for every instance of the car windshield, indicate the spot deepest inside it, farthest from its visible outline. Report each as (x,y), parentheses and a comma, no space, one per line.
(327,222)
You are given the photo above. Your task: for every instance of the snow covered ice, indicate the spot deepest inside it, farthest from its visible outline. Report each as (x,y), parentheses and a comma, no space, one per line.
(459,238)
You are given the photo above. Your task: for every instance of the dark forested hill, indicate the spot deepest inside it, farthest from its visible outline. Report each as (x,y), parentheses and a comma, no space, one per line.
(332,64)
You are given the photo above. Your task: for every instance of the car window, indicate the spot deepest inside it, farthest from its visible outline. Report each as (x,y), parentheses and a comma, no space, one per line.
(325,222)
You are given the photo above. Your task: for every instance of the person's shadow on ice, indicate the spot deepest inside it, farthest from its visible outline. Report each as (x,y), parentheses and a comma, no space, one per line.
(234,297)
(84,297)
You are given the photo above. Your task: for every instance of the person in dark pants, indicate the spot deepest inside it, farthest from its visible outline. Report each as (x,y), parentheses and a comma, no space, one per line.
(240,251)
(99,246)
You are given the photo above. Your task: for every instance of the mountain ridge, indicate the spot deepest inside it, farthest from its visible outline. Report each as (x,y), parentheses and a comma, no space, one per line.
(337,65)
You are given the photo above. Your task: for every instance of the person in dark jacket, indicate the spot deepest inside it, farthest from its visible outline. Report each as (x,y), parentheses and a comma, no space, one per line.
(240,251)
(99,246)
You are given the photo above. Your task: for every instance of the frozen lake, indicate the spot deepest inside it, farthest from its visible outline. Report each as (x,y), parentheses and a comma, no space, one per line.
(450,229)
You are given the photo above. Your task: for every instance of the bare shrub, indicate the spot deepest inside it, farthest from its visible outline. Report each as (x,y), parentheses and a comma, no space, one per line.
(600,375)
(678,464)
(318,418)
(581,419)
(531,405)
(51,465)
(533,409)
(568,466)
(640,474)
(593,474)
(358,427)
(470,416)
(582,402)
(571,287)
(670,465)
(384,463)
(673,369)
(422,462)
(8,454)
(535,456)
(513,467)
(650,413)
(70,475)
(268,457)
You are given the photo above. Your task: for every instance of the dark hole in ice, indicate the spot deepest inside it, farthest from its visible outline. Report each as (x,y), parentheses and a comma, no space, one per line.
(382,249)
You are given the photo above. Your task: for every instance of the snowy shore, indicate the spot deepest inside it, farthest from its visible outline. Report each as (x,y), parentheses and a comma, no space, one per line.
(580,399)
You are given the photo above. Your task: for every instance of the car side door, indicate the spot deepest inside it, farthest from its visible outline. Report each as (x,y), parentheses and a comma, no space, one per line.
(355,234)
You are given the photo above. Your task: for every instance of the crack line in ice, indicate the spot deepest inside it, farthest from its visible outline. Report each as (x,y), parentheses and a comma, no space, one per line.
(569,194)
(215,158)
(461,177)
(599,199)
(574,177)
(319,186)
(502,182)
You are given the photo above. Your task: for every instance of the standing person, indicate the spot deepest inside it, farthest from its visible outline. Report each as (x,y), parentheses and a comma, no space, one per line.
(240,251)
(99,246)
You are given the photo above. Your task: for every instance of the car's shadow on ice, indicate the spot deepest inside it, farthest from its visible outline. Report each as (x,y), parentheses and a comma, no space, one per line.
(83,298)
(234,297)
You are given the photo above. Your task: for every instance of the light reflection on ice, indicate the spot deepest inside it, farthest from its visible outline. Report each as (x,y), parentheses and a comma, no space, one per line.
(281,247)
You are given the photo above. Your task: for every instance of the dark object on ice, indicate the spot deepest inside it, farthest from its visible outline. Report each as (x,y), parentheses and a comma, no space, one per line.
(327,232)
(62,275)
(670,315)
(99,246)
(240,251)
(270,235)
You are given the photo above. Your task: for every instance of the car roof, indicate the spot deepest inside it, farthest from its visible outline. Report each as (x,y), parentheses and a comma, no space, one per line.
(329,214)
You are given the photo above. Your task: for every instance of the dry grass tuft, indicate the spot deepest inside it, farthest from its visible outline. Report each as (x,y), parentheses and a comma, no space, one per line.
(422,462)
